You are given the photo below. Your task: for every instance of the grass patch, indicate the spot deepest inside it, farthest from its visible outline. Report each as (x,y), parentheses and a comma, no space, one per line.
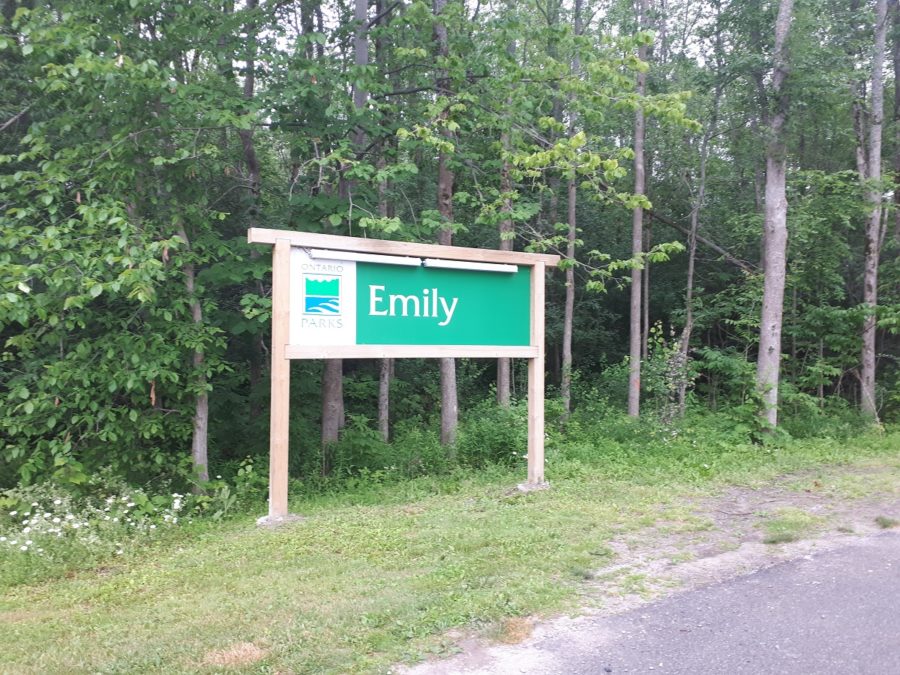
(886,523)
(382,572)
(789,525)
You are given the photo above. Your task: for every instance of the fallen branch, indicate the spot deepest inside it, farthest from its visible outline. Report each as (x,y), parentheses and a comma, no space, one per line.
(15,118)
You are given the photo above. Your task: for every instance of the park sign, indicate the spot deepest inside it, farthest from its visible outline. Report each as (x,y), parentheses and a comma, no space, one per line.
(345,297)
(405,301)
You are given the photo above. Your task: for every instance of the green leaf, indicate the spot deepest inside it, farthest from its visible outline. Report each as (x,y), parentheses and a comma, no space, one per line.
(96,290)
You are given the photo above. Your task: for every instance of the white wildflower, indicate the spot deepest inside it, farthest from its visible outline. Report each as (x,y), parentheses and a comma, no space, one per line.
(57,501)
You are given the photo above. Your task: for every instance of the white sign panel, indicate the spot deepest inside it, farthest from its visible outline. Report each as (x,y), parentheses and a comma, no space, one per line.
(323,300)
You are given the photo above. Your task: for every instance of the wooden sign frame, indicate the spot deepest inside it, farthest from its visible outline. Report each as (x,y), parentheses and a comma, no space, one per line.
(282,352)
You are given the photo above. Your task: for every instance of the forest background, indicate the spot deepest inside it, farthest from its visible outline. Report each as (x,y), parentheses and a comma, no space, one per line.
(718,176)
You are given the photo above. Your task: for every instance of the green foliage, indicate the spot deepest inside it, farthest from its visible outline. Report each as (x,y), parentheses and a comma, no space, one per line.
(127,182)
(490,434)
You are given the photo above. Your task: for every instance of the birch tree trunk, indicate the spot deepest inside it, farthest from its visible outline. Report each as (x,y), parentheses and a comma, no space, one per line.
(504,364)
(449,403)
(874,227)
(637,242)
(768,366)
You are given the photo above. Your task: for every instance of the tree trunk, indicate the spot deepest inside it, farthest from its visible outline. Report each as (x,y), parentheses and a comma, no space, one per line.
(896,54)
(333,373)
(199,439)
(253,179)
(308,10)
(637,242)
(384,398)
(504,364)
(565,387)
(386,370)
(684,342)
(386,367)
(449,403)
(645,303)
(571,235)
(332,409)
(874,226)
(360,59)
(768,367)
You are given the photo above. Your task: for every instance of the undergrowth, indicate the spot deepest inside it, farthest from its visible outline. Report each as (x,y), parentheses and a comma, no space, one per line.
(47,530)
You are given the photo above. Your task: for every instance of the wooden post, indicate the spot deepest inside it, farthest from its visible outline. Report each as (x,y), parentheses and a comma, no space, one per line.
(536,381)
(279,419)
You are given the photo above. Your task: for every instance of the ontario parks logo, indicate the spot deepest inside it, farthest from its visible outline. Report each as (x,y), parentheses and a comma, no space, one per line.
(322,294)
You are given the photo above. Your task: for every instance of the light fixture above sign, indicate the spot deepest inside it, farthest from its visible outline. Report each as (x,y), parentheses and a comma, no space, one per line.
(466,265)
(325,254)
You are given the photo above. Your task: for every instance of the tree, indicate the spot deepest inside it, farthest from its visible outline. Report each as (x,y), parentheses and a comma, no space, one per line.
(637,243)
(775,226)
(445,178)
(874,226)
(571,235)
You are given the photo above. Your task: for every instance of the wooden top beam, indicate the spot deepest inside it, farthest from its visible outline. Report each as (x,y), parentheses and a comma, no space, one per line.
(258,235)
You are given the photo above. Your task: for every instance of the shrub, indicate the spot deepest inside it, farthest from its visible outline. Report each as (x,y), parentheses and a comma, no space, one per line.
(490,434)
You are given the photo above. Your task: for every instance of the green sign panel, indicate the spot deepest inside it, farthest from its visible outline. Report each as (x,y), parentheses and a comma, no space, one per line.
(347,302)
(430,306)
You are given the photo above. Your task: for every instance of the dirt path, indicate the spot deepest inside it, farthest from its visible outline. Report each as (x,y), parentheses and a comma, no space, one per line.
(736,532)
